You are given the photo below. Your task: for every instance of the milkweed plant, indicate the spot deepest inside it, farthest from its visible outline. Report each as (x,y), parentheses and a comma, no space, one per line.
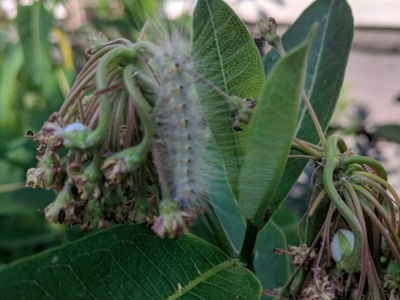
(166,135)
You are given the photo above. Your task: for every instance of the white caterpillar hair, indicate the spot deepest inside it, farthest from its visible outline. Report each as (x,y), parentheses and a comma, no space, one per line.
(180,131)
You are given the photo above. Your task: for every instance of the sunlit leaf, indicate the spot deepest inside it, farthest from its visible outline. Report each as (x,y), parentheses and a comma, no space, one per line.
(224,53)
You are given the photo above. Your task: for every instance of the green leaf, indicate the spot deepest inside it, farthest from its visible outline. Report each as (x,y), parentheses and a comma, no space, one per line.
(34,26)
(228,212)
(224,53)
(10,124)
(137,12)
(23,201)
(24,235)
(130,262)
(273,270)
(270,134)
(390,132)
(325,71)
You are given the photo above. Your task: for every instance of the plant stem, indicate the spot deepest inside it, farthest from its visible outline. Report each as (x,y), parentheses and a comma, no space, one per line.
(314,118)
(219,232)
(304,148)
(363,160)
(247,251)
(351,263)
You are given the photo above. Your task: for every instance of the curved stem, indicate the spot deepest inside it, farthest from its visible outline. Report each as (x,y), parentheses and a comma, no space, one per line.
(375,237)
(137,153)
(309,157)
(98,135)
(89,139)
(352,197)
(367,185)
(383,231)
(304,148)
(117,121)
(352,168)
(365,180)
(380,180)
(351,263)
(84,77)
(380,209)
(363,160)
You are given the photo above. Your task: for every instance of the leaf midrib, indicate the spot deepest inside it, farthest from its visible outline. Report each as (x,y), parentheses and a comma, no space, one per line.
(202,278)
(217,47)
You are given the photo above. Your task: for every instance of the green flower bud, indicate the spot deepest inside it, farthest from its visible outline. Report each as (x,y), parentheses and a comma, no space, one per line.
(267,29)
(75,136)
(342,244)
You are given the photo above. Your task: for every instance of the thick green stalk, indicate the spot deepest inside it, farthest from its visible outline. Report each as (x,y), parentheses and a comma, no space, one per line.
(247,250)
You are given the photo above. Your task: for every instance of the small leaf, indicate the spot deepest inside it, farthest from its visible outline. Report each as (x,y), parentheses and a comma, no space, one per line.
(270,133)
(130,262)
(224,53)
(325,72)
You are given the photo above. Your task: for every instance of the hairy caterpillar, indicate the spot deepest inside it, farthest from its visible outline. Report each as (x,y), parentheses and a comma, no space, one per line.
(180,132)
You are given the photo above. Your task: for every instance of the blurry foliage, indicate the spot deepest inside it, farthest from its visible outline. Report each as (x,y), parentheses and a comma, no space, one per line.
(41,51)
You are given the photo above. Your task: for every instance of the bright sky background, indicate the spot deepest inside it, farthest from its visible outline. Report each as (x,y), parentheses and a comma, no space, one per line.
(379,13)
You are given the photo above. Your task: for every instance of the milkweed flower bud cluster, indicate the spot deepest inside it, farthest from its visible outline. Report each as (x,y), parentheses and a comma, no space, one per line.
(128,137)
(100,119)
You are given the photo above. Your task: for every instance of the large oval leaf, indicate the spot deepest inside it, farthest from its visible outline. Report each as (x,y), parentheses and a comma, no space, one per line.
(325,72)
(270,134)
(224,53)
(130,262)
